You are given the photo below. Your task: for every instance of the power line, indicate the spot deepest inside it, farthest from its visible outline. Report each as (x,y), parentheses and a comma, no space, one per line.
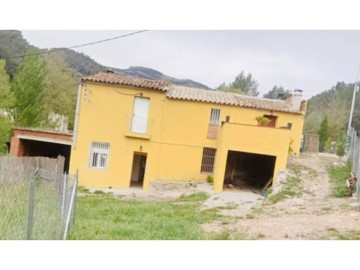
(78,46)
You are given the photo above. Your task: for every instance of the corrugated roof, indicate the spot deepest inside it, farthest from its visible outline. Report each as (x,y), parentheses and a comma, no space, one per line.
(118,79)
(228,98)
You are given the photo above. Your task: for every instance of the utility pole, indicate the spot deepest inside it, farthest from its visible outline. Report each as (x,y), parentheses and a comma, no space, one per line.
(356,88)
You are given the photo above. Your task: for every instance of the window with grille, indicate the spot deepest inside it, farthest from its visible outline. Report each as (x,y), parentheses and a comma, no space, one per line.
(99,155)
(214,124)
(208,160)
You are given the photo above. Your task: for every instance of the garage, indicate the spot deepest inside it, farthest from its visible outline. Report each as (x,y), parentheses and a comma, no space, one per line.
(41,142)
(249,171)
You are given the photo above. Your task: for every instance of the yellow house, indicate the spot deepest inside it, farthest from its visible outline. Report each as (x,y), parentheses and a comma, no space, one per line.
(131,131)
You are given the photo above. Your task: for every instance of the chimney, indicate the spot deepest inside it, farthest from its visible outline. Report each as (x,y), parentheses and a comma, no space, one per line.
(295,100)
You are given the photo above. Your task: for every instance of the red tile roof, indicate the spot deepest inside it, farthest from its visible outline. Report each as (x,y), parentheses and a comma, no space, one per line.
(195,94)
(228,98)
(118,79)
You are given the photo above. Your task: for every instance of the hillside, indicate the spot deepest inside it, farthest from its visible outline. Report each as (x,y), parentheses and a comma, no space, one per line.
(12,43)
(334,103)
(84,66)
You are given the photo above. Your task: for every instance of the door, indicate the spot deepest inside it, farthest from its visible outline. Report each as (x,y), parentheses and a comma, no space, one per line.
(140,115)
(272,119)
(138,169)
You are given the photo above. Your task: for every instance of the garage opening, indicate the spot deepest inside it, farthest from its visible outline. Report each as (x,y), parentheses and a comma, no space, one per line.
(248,171)
(34,148)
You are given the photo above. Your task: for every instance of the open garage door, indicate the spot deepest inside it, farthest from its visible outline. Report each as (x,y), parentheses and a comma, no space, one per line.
(248,170)
(34,148)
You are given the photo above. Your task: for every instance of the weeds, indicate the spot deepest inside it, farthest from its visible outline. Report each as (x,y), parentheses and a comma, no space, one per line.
(292,187)
(344,235)
(338,176)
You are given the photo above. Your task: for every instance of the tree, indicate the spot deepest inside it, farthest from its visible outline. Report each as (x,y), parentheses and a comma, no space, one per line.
(277,92)
(340,144)
(6,101)
(12,43)
(61,87)
(243,84)
(29,88)
(323,133)
(229,88)
(6,97)
(246,84)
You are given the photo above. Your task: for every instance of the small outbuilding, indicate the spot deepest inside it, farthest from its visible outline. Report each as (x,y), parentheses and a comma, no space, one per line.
(41,142)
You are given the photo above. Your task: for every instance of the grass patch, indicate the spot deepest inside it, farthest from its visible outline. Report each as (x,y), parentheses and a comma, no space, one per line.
(82,189)
(14,206)
(106,217)
(224,235)
(338,176)
(98,192)
(228,206)
(297,170)
(196,197)
(292,187)
(344,235)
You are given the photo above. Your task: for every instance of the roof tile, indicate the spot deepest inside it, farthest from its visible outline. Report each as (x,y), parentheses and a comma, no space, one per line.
(227,98)
(195,94)
(118,79)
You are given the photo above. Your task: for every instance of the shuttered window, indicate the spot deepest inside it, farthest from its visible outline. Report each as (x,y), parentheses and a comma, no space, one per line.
(99,155)
(208,160)
(214,124)
(140,115)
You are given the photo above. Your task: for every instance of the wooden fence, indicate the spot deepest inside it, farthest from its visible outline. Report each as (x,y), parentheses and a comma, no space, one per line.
(18,168)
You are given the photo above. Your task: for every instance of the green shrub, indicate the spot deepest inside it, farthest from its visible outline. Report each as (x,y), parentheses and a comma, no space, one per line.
(210,179)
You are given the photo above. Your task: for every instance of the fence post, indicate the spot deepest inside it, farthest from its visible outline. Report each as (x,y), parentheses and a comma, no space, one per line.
(31,205)
(63,201)
(70,208)
(74,208)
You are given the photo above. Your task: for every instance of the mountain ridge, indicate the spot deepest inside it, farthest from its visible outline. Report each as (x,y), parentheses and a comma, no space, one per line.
(13,44)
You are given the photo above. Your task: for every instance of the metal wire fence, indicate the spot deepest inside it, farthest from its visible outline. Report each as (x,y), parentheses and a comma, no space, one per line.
(354,157)
(37,201)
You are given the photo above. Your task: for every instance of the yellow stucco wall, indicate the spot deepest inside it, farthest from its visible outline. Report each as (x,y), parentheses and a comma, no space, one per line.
(250,139)
(176,136)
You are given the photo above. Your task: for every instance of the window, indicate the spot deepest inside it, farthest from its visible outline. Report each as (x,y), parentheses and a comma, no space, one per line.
(208,160)
(140,115)
(99,155)
(214,124)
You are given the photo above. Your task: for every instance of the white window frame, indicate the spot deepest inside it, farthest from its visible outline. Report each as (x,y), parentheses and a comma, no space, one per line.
(215,117)
(99,155)
(139,124)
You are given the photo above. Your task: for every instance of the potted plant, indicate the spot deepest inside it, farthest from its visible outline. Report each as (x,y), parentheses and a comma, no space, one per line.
(262,120)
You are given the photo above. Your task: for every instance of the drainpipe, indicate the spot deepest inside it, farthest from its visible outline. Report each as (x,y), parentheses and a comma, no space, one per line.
(76,124)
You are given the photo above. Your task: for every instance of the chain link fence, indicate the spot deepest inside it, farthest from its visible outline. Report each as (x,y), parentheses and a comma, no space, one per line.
(354,157)
(37,201)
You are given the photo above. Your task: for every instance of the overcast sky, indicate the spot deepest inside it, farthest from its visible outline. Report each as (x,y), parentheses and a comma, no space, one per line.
(309,60)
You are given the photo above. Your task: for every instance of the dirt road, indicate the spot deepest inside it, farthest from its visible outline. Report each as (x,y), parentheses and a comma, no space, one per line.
(313,215)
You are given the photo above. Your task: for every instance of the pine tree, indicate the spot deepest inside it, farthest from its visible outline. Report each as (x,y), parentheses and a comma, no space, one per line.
(243,84)
(323,133)
(29,88)
(340,144)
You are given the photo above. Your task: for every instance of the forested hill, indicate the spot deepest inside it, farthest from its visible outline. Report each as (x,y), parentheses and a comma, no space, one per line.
(12,43)
(334,103)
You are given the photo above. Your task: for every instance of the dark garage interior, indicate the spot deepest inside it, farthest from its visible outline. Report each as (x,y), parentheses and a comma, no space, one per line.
(46,149)
(248,171)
